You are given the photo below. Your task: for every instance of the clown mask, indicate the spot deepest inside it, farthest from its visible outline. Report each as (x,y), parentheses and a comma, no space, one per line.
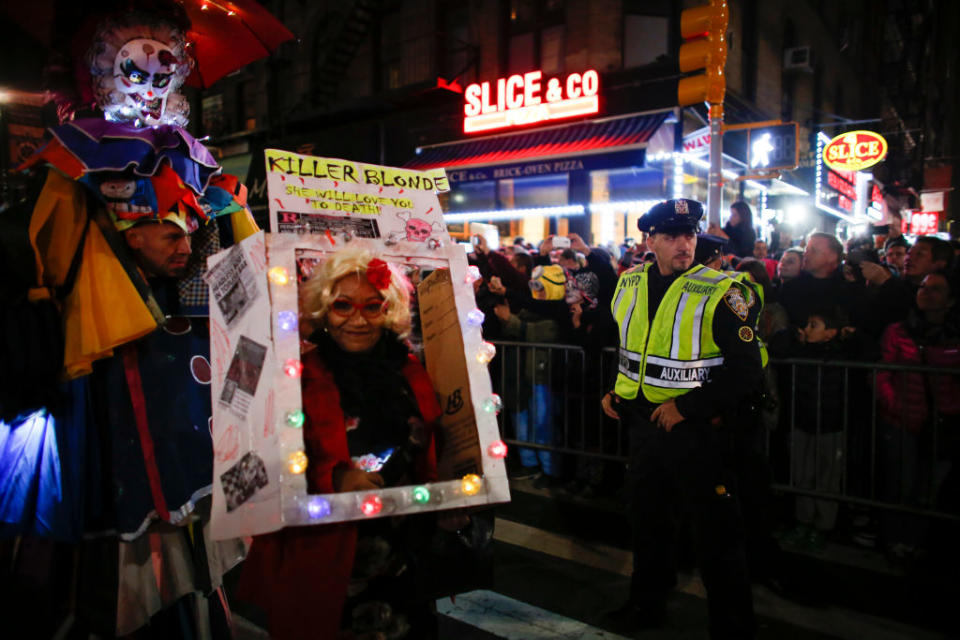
(143,70)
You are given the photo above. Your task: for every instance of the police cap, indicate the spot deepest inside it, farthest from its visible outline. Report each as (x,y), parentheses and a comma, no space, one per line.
(681,214)
(708,248)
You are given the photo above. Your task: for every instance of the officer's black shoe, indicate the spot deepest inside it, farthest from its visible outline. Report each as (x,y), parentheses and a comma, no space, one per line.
(632,617)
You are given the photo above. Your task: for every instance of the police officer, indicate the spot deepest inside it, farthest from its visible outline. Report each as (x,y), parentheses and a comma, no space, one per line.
(709,251)
(688,354)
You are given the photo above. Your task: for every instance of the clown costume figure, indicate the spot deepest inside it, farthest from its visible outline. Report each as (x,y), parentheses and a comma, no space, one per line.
(141,204)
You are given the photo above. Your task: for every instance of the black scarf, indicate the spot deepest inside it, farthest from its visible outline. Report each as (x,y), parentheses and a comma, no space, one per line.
(372,390)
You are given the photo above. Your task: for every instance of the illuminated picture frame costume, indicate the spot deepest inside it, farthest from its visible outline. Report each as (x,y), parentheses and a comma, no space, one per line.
(347,200)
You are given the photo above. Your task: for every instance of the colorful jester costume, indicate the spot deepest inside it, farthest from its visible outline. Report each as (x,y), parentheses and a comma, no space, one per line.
(135,425)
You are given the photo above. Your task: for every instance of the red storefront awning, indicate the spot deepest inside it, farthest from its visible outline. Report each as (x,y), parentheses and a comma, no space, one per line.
(626,132)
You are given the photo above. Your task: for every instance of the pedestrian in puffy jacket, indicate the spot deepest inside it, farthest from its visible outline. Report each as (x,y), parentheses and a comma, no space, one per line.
(918,445)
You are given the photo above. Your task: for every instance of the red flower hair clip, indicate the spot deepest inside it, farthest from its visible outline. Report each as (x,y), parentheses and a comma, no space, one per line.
(378,274)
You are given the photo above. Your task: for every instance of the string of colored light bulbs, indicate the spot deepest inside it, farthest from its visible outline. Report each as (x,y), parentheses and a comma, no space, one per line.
(372,504)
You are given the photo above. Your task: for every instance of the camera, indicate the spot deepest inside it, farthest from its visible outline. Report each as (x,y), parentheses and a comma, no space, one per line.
(561,242)
(857,256)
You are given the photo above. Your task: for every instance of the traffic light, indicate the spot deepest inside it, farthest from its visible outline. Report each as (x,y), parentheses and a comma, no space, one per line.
(704,31)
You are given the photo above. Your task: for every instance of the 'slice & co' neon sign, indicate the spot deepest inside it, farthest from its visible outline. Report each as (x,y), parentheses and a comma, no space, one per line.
(854,151)
(522,99)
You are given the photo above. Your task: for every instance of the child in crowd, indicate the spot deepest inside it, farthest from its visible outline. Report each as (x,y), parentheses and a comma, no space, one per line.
(818,437)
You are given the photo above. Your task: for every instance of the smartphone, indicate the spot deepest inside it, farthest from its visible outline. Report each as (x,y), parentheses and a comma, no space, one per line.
(561,242)
(489,231)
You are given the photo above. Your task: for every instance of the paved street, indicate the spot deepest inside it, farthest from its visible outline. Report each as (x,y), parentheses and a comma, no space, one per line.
(558,567)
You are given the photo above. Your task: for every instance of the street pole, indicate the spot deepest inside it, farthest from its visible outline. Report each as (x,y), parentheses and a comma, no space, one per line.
(715,179)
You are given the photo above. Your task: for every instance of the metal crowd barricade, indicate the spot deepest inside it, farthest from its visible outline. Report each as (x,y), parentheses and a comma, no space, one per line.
(552,392)
(882,464)
(560,385)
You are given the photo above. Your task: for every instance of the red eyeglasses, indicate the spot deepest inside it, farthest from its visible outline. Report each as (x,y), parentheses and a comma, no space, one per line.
(370,309)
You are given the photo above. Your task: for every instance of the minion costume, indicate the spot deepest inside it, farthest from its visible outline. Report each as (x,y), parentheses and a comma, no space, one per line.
(685,337)
(136,364)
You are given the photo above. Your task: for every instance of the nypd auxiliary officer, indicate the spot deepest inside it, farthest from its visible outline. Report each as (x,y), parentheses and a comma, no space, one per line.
(688,354)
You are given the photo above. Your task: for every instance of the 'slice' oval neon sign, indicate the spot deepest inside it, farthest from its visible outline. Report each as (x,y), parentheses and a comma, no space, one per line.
(855,150)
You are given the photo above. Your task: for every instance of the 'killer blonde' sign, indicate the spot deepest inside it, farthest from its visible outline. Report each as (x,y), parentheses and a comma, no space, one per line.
(854,151)
(526,99)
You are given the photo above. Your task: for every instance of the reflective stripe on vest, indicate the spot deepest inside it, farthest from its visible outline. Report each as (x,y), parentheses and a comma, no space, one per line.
(679,352)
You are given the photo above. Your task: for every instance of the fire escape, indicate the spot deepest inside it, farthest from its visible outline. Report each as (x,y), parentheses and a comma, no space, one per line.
(345,33)
(906,30)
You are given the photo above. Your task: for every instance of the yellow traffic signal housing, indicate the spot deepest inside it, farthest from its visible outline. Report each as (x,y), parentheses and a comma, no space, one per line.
(705,29)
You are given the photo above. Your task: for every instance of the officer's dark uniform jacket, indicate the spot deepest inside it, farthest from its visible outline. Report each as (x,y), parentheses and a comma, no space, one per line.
(689,336)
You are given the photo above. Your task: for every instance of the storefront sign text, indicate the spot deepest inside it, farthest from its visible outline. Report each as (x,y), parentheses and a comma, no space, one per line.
(591,162)
(920,223)
(526,99)
(842,185)
(698,141)
(854,151)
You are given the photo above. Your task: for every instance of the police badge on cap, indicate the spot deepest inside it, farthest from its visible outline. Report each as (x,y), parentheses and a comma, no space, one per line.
(672,215)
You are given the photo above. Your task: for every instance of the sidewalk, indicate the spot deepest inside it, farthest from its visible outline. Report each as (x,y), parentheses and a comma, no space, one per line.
(561,564)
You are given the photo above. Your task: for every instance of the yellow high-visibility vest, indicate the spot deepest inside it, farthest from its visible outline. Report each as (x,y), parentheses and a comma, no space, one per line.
(678,352)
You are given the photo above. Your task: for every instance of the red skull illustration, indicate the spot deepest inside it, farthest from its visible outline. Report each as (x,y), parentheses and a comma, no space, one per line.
(418,230)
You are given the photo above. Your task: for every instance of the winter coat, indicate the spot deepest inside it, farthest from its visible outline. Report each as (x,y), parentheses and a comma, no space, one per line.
(300,575)
(742,239)
(805,294)
(533,365)
(823,388)
(905,398)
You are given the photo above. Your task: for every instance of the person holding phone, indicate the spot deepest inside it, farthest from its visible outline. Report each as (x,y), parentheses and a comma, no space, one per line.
(370,413)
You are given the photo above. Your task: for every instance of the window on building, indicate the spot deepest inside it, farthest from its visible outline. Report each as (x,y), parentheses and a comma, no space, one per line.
(473,196)
(521,54)
(534,192)
(406,44)
(838,106)
(551,49)
(788,82)
(749,43)
(239,106)
(537,36)
(646,28)
(459,55)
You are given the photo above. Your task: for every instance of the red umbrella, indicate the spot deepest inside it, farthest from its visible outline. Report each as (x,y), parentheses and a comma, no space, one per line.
(226,36)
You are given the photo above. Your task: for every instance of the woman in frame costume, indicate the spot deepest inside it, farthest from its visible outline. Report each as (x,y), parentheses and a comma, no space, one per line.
(371,413)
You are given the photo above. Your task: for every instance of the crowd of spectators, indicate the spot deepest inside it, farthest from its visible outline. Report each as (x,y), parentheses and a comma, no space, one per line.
(821,420)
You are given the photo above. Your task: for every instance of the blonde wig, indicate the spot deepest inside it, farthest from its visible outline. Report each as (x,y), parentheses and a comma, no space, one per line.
(110,38)
(319,289)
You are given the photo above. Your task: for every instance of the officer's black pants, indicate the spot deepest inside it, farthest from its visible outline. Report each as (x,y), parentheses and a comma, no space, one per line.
(682,473)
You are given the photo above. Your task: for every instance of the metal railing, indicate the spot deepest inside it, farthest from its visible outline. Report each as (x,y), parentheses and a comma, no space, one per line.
(552,394)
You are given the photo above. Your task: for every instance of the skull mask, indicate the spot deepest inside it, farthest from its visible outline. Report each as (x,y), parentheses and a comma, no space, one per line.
(418,230)
(143,70)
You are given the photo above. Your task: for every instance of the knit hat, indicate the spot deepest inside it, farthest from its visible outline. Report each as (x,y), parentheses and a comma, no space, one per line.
(583,287)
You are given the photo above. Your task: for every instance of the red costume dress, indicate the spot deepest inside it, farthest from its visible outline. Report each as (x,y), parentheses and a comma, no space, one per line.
(300,575)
